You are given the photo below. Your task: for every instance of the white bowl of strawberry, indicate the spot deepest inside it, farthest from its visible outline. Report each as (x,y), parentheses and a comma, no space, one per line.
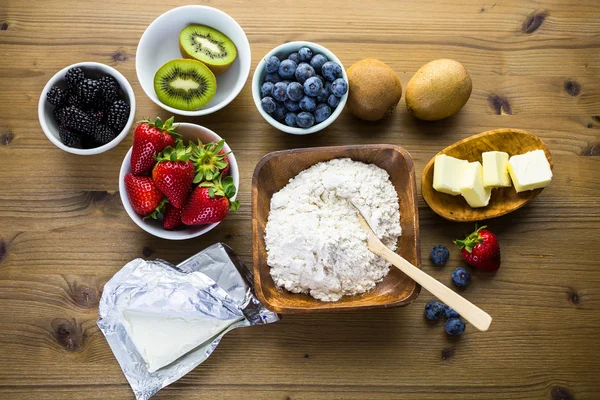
(178,181)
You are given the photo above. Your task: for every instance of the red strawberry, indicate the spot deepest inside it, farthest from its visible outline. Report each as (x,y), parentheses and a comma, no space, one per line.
(209,203)
(172,217)
(210,161)
(143,193)
(173,173)
(150,138)
(481,249)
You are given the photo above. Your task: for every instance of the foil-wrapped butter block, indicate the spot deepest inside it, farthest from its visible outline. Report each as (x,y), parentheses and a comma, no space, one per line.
(161,320)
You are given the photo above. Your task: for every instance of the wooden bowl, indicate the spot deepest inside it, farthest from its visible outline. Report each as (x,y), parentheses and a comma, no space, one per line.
(503,200)
(274,171)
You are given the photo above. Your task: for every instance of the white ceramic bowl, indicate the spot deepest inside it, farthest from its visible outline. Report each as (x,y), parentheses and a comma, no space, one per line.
(154,227)
(46,115)
(160,43)
(282,52)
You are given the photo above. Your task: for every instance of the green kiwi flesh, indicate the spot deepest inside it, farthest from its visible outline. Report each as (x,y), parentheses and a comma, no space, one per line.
(185,84)
(209,46)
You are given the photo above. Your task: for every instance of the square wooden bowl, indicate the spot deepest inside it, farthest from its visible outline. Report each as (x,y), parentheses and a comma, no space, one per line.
(274,171)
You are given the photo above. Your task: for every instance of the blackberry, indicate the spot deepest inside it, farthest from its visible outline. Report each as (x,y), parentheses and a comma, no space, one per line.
(109,89)
(69,137)
(56,96)
(88,91)
(103,134)
(117,115)
(74,118)
(74,76)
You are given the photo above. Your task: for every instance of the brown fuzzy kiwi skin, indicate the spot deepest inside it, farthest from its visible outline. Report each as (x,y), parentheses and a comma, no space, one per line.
(438,90)
(374,89)
(216,69)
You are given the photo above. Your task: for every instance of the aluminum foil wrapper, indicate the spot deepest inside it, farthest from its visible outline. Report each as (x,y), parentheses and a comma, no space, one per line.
(213,283)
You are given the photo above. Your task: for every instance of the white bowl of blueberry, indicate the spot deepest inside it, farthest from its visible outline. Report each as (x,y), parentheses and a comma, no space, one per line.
(300,87)
(87,108)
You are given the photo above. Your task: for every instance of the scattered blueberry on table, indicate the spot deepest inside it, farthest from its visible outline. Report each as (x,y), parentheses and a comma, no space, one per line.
(461,277)
(439,255)
(450,313)
(455,326)
(434,310)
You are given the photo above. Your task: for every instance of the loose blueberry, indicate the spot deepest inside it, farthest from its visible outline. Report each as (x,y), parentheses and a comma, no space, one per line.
(294,58)
(317,62)
(280,111)
(323,95)
(295,91)
(305,120)
(268,104)
(291,119)
(455,326)
(339,87)
(439,255)
(266,89)
(273,77)
(333,101)
(331,71)
(433,310)
(313,86)
(308,104)
(305,54)
(287,68)
(272,64)
(303,72)
(280,91)
(461,277)
(292,105)
(322,113)
(450,313)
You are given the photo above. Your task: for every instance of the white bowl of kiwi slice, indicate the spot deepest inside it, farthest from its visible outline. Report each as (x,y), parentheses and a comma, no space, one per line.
(193,60)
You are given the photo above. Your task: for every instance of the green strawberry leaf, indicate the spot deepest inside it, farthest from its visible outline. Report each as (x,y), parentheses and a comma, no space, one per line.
(234,205)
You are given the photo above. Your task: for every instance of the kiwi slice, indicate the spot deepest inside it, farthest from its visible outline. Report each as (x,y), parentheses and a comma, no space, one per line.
(185,84)
(209,46)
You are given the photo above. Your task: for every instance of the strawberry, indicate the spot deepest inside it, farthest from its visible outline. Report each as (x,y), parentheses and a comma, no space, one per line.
(481,249)
(143,193)
(172,217)
(210,202)
(210,160)
(173,173)
(150,138)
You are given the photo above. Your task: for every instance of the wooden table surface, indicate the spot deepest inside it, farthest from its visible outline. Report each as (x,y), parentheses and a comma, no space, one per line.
(535,65)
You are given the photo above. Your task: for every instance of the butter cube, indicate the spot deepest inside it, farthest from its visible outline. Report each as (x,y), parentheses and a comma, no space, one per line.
(495,169)
(530,170)
(447,173)
(471,186)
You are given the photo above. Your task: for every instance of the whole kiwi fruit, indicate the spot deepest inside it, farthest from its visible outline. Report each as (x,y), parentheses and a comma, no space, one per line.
(438,90)
(374,89)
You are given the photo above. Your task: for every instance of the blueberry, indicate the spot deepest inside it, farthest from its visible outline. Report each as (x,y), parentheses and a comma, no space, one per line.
(294,58)
(461,277)
(303,72)
(308,104)
(450,313)
(295,91)
(439,254)
(328,86)
(339,87)
(272,77)
(321,79)
(455,326)
(322,113)
(323,95)
(305,120)
(266,89)
(280,91)
(331,71)
(287,68)
(312,86)
(333,101)
(291,119)
(280,111)
(292,105)
(305,54)
(317,62)
(268,104)
(433,310)
(272,64)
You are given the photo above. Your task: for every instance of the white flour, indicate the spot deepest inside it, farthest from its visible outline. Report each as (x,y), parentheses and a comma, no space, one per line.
(314,241)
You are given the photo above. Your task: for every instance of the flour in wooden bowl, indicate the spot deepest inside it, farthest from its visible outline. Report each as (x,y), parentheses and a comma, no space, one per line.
(313,238)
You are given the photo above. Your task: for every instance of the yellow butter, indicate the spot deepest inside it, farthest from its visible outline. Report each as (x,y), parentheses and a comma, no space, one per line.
(447,174)
(530,170)
(471,186)
(495,169)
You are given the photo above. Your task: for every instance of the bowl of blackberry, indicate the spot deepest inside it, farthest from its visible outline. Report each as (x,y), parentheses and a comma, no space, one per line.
(300,87)
(86,108)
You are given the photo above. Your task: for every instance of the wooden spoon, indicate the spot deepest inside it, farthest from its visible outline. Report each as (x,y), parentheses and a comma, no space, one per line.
(504,200)
(469,311)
